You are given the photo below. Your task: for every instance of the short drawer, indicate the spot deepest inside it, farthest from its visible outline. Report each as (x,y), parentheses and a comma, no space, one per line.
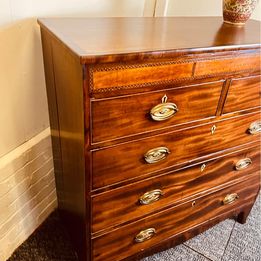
(140,235)
(142,198)
(124,116)
(143,157)
(243,93)
(228,65)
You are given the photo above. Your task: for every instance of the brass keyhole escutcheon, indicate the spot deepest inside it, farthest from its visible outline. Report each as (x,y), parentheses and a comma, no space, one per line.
(164,98)
(202,168)
(193,203)
(213,129)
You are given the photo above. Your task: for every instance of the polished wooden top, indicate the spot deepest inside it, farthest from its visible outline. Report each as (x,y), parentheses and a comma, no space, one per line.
(115,39)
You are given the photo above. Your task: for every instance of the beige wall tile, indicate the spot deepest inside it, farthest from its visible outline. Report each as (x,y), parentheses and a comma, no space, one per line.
(27,191)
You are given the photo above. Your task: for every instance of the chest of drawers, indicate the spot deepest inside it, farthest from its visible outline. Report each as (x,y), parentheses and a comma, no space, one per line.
(155,128)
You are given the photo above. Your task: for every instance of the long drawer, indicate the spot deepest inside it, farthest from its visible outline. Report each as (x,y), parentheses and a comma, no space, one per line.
(134,159)
(124,116)
(139,199)
(243,93)
(140,235)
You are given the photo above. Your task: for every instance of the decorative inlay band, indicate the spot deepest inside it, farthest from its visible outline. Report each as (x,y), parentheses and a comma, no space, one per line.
(106,78)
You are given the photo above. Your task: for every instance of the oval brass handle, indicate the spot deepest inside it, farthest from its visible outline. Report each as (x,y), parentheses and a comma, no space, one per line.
(230,198)
(243,163)
(145,235)
(163,111)
(155,155)
(255,127)
(150,197)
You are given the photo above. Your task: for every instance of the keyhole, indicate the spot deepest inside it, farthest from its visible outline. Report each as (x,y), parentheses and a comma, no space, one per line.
(203,166)
(213,129)
(164,99)
(193,203)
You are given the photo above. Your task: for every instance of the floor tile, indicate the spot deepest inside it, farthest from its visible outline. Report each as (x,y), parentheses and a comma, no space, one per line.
(179,253)
(245,240)
(212,243)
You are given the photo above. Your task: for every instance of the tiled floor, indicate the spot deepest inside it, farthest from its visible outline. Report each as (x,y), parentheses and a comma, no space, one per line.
(227,241)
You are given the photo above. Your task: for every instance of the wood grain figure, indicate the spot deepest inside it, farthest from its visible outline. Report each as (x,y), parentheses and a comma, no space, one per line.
(155,127)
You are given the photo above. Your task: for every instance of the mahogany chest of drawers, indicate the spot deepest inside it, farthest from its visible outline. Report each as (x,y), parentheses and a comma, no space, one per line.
(155,128)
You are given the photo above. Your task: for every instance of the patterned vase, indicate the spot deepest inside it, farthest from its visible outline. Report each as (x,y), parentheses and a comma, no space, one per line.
(238,11)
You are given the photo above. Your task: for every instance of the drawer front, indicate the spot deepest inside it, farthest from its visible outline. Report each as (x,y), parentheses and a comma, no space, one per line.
(126,161)
(133,201)
(243,94)
(106,78)
(132,75)
(228,65)
(114,118)
(121,243)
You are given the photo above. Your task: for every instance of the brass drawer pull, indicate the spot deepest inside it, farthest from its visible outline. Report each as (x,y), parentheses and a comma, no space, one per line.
(243,163)
(150,197)
(164,110)
(145,235)
(230,198)
(157,154)
(255,127)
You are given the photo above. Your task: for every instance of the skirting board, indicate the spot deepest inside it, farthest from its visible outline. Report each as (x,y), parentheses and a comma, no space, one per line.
(27,191)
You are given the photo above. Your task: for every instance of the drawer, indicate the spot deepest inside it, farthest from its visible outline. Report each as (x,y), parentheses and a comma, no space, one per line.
(245,63)
(126,161)
(243,94)
(142,198)
(106,78)
(124,116)
(121,243)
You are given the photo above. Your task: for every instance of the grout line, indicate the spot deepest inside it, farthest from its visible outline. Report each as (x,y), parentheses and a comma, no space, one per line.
(228,241)
(198,252)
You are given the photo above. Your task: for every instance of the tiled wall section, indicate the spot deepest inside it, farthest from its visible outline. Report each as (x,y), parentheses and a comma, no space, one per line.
(27,191)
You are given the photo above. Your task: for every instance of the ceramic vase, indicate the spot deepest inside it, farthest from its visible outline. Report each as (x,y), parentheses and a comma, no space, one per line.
(238,11)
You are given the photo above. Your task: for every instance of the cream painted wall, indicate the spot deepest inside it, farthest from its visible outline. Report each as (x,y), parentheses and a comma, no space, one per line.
(23,111)
(27,188)
(22,89)
(200,8)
